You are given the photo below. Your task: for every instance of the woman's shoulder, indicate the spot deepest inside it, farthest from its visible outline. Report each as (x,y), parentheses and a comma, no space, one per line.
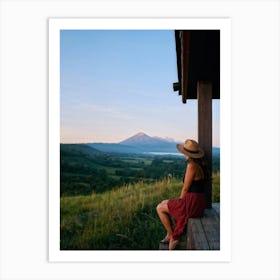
(195,168)
(193,165)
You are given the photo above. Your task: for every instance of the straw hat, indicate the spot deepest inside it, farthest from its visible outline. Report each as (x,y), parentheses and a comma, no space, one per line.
(191,149)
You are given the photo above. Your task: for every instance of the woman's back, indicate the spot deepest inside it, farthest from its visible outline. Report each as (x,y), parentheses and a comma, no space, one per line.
(199,173)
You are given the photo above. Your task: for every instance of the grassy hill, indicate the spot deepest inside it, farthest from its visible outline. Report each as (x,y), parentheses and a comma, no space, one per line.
(119,219)
(84,170)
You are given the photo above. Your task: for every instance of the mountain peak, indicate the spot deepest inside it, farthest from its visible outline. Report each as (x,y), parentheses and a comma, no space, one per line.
(139,134)
(141,139)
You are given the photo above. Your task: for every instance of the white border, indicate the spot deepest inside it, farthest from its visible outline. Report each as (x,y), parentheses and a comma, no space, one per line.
(55,25)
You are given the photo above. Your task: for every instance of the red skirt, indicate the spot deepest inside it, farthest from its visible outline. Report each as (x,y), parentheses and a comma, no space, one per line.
(181,209)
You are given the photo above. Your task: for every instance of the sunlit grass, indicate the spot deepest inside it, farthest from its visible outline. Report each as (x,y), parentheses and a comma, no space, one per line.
(216,187)
(120,219)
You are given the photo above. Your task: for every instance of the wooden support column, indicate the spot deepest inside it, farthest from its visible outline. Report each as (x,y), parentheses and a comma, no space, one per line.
(204,100)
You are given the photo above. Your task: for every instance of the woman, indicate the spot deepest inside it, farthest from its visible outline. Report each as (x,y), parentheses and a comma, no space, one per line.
(192,199)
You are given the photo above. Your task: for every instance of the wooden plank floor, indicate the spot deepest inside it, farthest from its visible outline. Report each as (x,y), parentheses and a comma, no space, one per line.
(202,233)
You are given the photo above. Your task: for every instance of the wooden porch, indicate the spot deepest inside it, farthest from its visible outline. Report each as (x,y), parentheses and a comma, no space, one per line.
(202,233)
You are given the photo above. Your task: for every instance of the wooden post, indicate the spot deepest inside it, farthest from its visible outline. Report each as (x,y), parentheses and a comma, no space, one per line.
(204,100)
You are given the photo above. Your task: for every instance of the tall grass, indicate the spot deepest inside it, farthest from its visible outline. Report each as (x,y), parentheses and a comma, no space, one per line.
(120,219)
(216,187)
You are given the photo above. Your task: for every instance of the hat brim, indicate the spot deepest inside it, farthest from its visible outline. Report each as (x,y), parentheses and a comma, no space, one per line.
(198,154)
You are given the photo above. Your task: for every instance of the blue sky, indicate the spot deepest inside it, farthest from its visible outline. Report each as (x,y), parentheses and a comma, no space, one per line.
(116,83)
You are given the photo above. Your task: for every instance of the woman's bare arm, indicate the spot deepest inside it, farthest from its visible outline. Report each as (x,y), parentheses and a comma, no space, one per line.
(189,177)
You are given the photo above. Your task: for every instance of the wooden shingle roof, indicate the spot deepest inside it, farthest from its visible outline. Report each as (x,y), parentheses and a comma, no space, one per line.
(198,59)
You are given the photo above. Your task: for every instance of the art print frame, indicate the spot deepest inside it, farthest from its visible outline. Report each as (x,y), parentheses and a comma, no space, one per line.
(57,255)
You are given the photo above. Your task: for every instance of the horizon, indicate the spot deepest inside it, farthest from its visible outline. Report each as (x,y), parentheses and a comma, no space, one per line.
(155,136)
(135,134)
(114,83)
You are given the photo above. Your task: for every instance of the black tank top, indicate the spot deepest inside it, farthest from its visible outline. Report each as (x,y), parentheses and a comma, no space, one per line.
(197,186)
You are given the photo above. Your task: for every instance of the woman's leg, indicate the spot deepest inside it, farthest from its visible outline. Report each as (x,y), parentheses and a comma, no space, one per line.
(163,213)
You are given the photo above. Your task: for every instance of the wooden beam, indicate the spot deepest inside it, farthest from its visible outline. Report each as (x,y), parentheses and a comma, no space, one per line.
(185,53)
(204,100)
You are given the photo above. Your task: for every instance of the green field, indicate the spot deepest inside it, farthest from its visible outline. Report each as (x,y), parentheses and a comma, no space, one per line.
(120,219)
(85,170)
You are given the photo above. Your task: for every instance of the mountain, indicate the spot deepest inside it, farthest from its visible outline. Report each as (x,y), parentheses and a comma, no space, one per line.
(138,143)
(147,143)
(143,139)
(136,139)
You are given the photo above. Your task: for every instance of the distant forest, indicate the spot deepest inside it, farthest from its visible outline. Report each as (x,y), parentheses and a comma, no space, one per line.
(84,170)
